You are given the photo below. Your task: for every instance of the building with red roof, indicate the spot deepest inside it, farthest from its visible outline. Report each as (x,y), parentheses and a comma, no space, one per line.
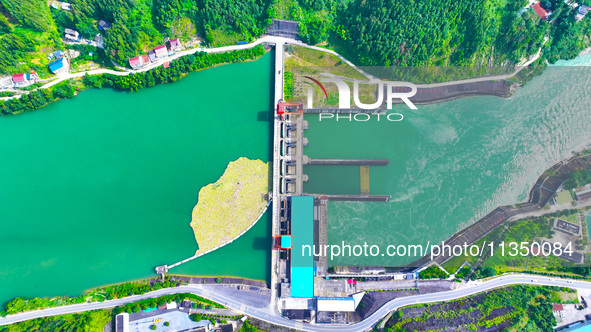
(161,51)
(145,59)
(135,62)
(542,13)
(175,44)
(16,78)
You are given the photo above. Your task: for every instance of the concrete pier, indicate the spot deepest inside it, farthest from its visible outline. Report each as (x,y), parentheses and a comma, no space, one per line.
(360,198)
(344,111)
(355,162)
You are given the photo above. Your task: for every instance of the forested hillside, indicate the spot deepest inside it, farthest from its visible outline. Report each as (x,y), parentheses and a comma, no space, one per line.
(377,32)
(26,28)
(447,32)
(31,29)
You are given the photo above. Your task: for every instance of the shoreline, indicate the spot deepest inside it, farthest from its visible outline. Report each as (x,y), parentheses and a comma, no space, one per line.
(539,195)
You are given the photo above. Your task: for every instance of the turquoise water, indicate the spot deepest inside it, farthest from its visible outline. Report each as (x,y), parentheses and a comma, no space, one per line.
(450,163)
(99,189)
(586,328)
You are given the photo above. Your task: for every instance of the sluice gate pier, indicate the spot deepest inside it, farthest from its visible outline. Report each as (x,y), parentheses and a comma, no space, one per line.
(380,111)
(355,162)
(358,198)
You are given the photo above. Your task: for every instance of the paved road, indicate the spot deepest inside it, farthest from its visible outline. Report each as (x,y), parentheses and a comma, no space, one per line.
(266,314)
(265,39)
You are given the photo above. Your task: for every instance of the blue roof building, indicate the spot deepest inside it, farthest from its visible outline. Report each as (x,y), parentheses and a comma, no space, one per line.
(58,65)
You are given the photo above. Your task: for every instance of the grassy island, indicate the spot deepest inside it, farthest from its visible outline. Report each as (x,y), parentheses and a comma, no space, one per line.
(230,206)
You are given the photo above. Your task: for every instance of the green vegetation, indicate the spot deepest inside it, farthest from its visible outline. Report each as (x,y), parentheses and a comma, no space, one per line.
(528,230)
(97,295)
(464,272)
(156,301)
(463,33)
(578,179)
(287,86)
(433,272)
(201,316)
(85,61)
(246,327)
(302,57)
(30,13)
(90,321)
(95,321)
(27,35)
(382,32)
(230,206)
(38,98)
(516,308)
(231,21)
(316,17)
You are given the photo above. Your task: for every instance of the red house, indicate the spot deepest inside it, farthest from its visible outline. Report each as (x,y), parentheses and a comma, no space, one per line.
(161,51)
(542,13)
(174,44)
(135,62)
(16,78)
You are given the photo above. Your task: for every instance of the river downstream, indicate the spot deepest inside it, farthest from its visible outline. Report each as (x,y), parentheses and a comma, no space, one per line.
(450,163)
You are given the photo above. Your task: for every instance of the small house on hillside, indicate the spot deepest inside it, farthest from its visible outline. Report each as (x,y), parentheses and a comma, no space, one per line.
(581,12)
(144,59)
(104,25)
(583,194)
(58,54)
(66,6)
(59,66)
(152,55)
(161,51)
(542,13)
(139,61)
(72,35)
(135,62)
(174,44)
(17,78)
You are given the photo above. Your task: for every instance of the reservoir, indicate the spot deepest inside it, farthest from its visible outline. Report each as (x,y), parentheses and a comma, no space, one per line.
(99,189)
(450,163)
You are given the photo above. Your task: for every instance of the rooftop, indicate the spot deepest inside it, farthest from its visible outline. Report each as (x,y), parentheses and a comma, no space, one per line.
(302,264)
(542,13)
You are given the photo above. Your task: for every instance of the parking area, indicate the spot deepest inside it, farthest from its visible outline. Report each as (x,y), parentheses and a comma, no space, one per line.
(178,321)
